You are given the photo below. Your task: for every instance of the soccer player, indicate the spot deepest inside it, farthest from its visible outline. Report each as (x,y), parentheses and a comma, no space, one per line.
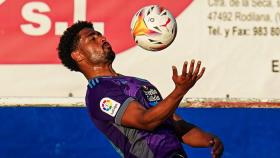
(128,110)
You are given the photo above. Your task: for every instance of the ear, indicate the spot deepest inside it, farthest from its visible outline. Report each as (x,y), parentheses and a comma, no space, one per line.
(77,56)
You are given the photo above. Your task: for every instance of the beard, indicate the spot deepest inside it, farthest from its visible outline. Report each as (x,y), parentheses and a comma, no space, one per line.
(106,55)
(110,54)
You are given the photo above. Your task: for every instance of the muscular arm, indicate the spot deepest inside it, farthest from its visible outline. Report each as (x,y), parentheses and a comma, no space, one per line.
(191,134)
(137,116)
(196,137)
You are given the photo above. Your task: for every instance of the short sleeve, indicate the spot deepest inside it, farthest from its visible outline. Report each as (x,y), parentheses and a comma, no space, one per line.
(107,102)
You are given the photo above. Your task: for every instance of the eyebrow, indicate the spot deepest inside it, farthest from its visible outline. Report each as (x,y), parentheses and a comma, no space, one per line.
(90,34)
(93,33)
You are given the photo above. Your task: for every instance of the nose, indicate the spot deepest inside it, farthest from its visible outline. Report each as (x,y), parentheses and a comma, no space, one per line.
(103,39)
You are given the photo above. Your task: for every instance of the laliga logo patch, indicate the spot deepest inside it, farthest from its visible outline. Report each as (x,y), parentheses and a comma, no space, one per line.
(151,94)
(109,106)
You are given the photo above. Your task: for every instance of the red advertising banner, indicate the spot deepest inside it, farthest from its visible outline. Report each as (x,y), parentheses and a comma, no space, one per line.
(30,30)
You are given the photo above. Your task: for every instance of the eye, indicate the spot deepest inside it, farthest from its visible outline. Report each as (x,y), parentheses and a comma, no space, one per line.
(93,37)
(96,34)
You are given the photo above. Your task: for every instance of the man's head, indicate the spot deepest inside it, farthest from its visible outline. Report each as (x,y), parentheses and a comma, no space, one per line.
(82,46)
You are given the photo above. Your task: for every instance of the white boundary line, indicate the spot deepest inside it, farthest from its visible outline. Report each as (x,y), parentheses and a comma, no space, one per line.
(42,102)
(230,103)
(188,102)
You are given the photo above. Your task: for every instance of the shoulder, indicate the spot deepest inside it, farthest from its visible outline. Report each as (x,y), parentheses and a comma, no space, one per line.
(100,82)
(105,87)
(141,79)
(137,80)
(100,87)
(105,97)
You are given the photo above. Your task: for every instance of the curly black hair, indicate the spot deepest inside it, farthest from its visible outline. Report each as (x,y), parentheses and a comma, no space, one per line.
(69,42)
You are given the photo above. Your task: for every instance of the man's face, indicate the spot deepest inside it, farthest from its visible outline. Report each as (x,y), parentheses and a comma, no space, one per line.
(94,47)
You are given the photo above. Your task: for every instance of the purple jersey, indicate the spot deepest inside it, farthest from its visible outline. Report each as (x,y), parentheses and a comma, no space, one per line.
(107,99)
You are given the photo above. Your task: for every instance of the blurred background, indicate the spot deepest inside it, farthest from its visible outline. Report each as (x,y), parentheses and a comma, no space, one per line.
(42,109)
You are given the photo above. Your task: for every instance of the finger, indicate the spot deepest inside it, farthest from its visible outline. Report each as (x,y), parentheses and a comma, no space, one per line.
(218,147)
(200,74)
(214,156)
(215,146)
(196,70)
(184,70)
(219,150)
(190,73)
(175,72)
(211,142)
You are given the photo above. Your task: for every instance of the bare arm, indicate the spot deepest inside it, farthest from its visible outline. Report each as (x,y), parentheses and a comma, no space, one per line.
(137,116)
(196,137)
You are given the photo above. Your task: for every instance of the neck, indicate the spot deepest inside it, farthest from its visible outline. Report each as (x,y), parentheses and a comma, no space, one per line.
(99,70)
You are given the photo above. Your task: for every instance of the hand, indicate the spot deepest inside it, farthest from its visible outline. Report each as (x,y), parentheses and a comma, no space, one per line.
(217,147)
(187,80)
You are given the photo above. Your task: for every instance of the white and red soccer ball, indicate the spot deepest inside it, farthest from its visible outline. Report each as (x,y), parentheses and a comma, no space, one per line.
(153,28)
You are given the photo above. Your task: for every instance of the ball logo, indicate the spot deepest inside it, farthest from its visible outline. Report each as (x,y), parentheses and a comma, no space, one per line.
(109,106)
